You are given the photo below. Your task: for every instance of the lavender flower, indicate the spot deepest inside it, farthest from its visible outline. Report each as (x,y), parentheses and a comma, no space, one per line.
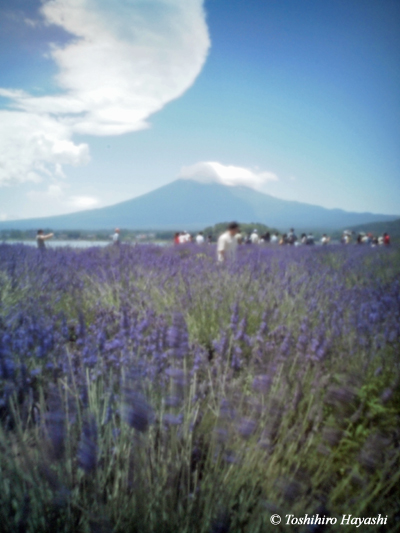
(55,425)
(262,383)
(170,419)
(246,427)
(136,412)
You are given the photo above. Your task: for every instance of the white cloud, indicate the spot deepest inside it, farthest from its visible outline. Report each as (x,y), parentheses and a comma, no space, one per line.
(213,172)
(125,61)
(34,146)
(55,191)
(82,202)
(55,198)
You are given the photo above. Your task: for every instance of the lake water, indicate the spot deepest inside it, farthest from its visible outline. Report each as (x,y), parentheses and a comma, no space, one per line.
(56,244)
(51,243)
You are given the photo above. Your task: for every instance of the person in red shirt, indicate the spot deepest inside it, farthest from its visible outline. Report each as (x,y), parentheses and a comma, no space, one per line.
(386,239)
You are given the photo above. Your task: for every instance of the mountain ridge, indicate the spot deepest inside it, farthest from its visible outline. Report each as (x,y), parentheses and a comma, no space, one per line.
(187,204)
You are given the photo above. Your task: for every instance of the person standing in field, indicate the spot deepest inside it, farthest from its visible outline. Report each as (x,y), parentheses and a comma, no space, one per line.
(200,238)
(41,238)
(116,237)
(255,239)
(291,237)
(239,238)
(184,237)
(386,239)
(283,240)
(310,239)
(274,238)
(325,239)
(227,244)
(346,237)
(266,237)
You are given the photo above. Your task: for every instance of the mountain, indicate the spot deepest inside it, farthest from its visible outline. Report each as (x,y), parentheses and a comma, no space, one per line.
(188,205)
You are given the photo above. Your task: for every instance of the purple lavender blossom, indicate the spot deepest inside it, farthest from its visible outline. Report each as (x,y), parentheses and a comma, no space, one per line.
(56,432)
(136,411)
(246,427)
(262,383)
(170,419)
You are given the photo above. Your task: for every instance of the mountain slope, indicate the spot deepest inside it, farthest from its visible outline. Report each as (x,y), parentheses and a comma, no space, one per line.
(185,204)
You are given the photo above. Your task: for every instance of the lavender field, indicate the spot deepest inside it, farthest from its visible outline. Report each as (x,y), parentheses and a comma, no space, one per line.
(147,389)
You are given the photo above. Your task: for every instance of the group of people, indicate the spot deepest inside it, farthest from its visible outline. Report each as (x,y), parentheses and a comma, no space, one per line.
(286,238)
(184,237)
(228,241)
(292,239)
(253,238)
(366,238)
(308,238)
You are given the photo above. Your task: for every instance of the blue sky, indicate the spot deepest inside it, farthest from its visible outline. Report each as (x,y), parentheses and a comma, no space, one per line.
(104,100)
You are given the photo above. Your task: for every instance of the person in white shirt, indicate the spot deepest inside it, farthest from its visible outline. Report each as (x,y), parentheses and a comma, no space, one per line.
(346,237)
(115,237)
(274,238)
(239,238)
(200,238)
(325,239)
(255,239)
(227,244)
(186,237)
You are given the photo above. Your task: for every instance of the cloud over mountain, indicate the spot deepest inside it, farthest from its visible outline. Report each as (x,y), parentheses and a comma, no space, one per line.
(124,61)
(213,172)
